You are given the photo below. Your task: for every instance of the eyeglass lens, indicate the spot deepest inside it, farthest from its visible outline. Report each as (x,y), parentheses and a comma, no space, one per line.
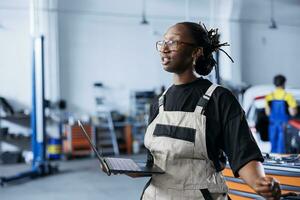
(171,45)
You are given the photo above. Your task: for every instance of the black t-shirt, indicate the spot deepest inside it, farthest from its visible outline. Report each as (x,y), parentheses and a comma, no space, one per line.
(227,130)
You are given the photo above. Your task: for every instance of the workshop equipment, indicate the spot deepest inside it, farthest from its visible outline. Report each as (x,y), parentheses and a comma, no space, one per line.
(74,143)
(40,165)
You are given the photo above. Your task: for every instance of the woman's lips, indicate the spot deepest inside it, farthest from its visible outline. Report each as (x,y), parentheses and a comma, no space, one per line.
(165,60)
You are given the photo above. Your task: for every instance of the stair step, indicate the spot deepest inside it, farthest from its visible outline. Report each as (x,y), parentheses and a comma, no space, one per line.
(107,151)
(104,142)
(101,134)
(106,136)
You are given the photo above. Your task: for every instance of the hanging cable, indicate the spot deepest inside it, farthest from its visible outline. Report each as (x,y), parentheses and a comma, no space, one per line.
(273,23)
(144,20)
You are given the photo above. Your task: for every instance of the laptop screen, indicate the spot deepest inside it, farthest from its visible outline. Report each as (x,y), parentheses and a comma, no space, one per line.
(91,144)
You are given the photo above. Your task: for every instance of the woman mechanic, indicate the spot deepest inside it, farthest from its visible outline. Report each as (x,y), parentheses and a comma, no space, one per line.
(194,123)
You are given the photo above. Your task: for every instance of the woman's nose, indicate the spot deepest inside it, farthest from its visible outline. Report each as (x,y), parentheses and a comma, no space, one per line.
(165,47)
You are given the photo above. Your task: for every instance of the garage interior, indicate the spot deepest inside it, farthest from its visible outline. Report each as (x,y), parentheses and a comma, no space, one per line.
(95,61)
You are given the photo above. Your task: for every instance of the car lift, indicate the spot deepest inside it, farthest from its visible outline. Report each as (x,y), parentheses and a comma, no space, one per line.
(40,165)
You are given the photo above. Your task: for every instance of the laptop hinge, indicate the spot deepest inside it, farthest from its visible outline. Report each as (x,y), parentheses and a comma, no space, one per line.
(107,166)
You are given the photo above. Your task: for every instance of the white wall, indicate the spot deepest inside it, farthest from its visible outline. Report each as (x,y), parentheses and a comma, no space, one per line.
(103,41)
(15,57)
(15,53)
(118,53)
(267,52)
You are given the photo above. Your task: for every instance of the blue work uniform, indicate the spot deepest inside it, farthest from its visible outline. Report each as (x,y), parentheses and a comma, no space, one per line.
(278,119)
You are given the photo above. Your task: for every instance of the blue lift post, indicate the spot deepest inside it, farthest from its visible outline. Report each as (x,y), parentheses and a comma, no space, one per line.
(40,164)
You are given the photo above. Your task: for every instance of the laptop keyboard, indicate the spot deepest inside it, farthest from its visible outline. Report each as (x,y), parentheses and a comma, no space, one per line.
(123,164)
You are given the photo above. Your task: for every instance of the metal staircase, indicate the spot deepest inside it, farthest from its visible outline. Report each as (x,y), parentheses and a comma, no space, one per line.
(106,139)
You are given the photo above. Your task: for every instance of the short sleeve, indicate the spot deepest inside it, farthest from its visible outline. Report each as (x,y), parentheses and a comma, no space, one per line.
(239,144)
(268,98)
(228,132)
(291,101)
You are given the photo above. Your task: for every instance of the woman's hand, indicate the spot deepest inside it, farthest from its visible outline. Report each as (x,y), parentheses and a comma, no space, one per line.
(253,174)
(268,187)
(136,175)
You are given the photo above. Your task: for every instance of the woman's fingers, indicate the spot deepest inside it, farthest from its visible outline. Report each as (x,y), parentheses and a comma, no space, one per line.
(268,187)
(289,194)
(133,175)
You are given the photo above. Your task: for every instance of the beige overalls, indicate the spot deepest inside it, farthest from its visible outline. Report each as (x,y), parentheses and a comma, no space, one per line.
(176,139)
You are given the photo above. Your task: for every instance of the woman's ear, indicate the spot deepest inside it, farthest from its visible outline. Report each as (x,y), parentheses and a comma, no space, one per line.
(198,52)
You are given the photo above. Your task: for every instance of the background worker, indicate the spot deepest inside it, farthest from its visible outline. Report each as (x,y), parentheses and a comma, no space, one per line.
(280,106)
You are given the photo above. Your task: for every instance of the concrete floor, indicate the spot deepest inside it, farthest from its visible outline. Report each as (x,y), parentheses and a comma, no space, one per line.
(79,179)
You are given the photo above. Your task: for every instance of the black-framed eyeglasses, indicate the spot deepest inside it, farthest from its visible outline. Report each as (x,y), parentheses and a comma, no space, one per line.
(172,45)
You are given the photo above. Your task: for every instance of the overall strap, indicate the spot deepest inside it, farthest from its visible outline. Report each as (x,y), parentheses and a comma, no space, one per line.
(206,194)
(161,101)
(202,103)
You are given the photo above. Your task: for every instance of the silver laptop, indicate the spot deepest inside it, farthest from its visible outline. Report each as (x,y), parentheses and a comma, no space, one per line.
(120,165)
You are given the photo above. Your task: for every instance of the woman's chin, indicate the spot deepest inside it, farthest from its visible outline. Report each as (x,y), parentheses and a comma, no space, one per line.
(168,68)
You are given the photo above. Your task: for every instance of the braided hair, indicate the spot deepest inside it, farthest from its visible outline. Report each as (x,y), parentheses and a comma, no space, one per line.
(209,41)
